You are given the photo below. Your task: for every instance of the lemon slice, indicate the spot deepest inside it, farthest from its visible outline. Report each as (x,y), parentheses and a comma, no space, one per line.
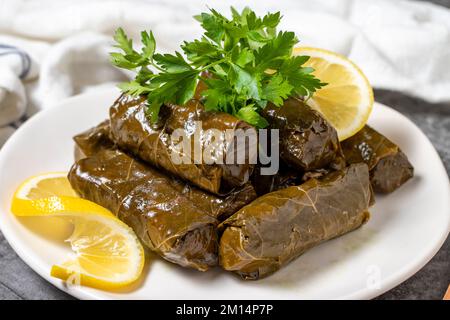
(46,185)
(347,100)
(107,253)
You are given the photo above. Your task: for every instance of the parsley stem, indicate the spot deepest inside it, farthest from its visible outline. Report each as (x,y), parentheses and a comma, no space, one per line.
(205,68)
(156,66)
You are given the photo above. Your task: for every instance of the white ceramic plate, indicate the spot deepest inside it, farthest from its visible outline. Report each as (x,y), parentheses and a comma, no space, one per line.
(407,227)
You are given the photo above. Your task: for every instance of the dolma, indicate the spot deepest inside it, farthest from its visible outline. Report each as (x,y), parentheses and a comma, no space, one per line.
(131,131)
(93,140)
(389,166)
(220,207)
(165,221)
(307,141)
(279,226)
(285,177)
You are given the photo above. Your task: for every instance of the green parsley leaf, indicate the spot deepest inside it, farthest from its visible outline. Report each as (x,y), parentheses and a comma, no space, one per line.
(134,88)
(217,96)
(172,63)
(242,57)
(304,83)
(119,60)
(200,52)
(144,75)
(213,26)
(271,20)
(149,42)
(251,116)
(244,82)
(152,111)
(243,60)
(273,53)
(176,88)
(276,90)
(123,42)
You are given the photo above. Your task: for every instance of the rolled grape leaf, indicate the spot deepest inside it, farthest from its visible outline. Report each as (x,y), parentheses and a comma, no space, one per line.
(285,177)
(307,141)
(221,207)
(93,140)
(278,227)
(389,166)
(165,221)
(131,131)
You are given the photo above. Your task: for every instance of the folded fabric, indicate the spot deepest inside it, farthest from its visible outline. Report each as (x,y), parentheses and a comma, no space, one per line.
(74,65)
(55,49)
(15,65)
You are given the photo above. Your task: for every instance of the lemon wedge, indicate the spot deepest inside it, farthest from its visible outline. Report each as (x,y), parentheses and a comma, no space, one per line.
(347,100)
(45,185)
(107,253)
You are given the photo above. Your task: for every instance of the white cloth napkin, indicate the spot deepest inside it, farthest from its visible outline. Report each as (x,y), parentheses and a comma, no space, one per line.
(50,50)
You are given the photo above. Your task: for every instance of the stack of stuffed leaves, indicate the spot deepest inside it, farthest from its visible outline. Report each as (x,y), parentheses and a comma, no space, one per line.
(132,131)
(172,218)
(198,214)
(307,141)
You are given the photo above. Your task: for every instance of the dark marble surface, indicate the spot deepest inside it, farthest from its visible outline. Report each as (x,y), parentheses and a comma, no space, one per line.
(18,281)
(431,281)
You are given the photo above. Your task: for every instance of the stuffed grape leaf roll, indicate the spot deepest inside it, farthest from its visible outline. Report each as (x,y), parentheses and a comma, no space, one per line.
(165,221)
(278,227)
(307,140)
(285,177)
(389,167)
(93,140)
(221,207)
(132,131)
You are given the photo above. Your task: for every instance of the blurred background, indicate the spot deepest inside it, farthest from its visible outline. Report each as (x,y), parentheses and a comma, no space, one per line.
(51,50)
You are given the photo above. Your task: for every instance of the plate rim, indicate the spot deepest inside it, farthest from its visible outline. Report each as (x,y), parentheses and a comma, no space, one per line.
(412,268)
(392,281)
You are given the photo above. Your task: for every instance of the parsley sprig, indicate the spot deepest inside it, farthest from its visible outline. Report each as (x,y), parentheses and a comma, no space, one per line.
(248,64)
